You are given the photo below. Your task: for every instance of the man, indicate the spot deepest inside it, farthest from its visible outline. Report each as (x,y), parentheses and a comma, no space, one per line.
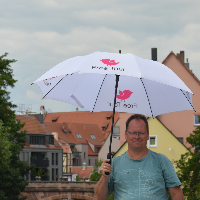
(139,173)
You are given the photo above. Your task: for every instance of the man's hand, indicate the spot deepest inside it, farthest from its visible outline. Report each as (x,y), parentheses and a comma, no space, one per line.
(105,167)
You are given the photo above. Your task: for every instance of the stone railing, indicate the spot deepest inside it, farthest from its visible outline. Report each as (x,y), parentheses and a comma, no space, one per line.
(52,190)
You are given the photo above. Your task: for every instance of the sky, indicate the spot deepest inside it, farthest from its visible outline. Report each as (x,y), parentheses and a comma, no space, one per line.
(39,34)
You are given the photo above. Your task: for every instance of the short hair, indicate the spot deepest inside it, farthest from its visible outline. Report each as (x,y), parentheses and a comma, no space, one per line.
(137,117)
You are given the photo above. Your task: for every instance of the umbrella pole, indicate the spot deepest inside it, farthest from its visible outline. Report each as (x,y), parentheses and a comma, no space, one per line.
(109,154)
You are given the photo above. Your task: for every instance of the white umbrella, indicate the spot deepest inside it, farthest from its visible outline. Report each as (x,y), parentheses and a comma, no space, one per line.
(144,86)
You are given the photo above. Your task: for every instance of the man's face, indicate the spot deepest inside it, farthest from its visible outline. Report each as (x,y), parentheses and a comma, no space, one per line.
(137,142)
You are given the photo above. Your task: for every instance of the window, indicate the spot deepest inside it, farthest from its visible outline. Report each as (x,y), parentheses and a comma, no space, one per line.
(116,131)
(84,155)
(37,140)
(51,140)
(89,162)
(27,157)
(196,120)
(52,158)
(93,137)
(52,174)
(78,136)
(57,171)
(109,117)
(97,149)
(152,141)
(56,158)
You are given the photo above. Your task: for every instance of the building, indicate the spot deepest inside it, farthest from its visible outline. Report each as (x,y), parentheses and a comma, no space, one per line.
(85,133)
(182,123)
(81,143)
(41,149)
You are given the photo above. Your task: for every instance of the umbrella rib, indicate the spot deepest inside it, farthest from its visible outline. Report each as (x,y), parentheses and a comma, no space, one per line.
(53,87)
(99,93)
(188,100)
(147,96)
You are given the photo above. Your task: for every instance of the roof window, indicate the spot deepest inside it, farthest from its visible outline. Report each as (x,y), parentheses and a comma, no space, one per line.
(79,136)
(93,137)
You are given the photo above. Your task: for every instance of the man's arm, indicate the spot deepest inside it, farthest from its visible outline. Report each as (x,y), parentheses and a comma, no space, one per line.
(176,193)
(101,190)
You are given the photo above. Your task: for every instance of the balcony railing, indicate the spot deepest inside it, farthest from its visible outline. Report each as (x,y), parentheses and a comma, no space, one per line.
(76,154)
(40,163)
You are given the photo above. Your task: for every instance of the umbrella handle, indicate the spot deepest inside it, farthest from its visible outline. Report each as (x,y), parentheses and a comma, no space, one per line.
(108,157)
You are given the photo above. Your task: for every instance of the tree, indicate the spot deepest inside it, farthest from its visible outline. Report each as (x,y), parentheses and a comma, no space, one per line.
(95,176)
(12,172)
(189,167)
(5,153)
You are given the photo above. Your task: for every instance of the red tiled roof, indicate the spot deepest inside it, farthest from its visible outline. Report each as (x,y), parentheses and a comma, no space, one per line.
(82,173)
(72,129)
(65,148)
(32,125)
(57,127)
(98,118)
(90,151)
(56,144)
(27,144)
(61,141)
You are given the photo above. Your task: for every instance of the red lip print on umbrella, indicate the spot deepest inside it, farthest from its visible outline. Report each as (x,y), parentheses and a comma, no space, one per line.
(91,82)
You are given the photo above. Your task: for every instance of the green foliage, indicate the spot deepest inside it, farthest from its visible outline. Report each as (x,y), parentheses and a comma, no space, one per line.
(78,178)
(12,170)
(189,168)
(95,176)
(40,171)
(5,152)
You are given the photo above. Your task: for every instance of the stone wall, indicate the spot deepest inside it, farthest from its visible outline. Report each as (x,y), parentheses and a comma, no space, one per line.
(54,190)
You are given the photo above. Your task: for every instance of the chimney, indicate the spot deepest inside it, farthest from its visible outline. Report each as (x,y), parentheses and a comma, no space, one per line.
(187,63)
(181,56)
(55,134)
(42,110)
(154,54)
(84,165)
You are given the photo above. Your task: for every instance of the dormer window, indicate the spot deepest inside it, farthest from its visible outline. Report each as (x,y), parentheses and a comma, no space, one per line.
(105,126)
(93,137)
(108,117)
(54,119)
(51,140)
(37,140)
(79,136)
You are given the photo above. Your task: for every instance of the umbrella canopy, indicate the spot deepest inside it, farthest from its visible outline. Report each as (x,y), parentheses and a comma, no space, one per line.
(145,86)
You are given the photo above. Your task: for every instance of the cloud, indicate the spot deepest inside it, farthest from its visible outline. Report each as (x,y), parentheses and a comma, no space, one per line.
(41,34)
(31,95)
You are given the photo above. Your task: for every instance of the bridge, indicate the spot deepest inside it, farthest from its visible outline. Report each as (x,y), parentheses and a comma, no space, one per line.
(59,190)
